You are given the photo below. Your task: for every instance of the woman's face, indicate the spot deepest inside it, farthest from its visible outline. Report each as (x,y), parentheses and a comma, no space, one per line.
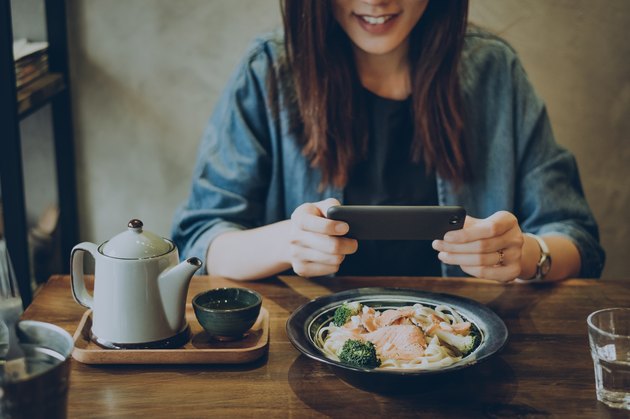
(378,26)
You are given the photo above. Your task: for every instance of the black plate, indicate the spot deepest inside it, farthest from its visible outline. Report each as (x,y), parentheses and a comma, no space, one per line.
(303,324)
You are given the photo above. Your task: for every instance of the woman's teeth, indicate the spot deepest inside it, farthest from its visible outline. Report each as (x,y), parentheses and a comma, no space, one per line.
(376,20)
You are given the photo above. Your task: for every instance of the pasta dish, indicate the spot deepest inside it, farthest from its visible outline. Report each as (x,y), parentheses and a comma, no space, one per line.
(410,337)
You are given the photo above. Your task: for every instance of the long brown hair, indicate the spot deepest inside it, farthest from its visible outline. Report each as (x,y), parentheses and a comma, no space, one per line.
(328,89)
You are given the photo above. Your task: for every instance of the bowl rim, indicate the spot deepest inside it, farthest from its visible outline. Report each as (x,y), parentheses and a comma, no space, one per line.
(335,299)
(196,305)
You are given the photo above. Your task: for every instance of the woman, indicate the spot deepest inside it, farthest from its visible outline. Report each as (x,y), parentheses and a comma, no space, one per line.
(384,102)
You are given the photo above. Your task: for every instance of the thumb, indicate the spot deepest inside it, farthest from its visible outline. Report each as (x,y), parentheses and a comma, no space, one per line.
(317,209)
(325,204)
(470,221)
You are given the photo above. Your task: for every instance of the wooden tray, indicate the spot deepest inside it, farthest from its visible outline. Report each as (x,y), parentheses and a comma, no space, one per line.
(200,349)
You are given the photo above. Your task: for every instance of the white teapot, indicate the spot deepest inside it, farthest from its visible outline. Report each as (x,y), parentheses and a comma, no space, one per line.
(139,289)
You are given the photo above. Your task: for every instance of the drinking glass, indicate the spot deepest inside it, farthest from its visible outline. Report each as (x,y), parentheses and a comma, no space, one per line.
(609,337)
(34,357)
(10,304)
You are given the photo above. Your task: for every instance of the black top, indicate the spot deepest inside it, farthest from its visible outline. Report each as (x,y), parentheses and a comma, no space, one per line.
(388,177)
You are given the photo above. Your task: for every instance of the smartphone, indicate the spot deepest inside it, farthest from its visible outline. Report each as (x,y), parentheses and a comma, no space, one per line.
(376,222)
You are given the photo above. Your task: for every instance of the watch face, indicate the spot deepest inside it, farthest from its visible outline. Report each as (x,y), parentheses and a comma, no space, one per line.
(545,266)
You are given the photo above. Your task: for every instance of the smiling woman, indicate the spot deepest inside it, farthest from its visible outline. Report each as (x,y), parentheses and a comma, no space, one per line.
(363,22)
(391,102)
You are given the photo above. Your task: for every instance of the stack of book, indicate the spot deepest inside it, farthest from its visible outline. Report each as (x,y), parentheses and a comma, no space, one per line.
(31,61)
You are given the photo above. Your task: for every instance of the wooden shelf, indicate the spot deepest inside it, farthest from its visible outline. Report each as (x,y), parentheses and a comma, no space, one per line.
(38,93)
(15,105)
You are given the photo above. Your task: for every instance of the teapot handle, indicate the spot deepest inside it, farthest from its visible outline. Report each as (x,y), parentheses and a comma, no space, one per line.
(79,291)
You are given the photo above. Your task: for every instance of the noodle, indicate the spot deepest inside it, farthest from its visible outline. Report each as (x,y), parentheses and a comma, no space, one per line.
(448,338)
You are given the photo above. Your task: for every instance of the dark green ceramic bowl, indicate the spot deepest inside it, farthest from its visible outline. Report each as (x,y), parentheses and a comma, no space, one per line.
(227,313)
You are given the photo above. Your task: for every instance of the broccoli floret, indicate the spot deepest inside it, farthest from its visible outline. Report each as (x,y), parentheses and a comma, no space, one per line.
(464,344)
(359,354)
(345,311)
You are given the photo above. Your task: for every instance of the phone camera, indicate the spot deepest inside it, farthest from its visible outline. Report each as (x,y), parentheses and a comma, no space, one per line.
(454,220)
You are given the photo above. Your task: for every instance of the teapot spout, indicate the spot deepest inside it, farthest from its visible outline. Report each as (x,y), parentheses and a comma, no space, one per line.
(173,284)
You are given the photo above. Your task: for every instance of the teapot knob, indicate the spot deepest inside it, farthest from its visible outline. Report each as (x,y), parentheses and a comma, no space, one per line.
(135,225)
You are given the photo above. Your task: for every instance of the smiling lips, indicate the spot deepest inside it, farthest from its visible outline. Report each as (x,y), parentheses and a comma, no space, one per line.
(379,20)
(376,24)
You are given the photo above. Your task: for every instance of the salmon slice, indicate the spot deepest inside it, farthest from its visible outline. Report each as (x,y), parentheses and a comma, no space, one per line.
(439,323)
(436,324)
(372,320)
(368,320)
(388,317)
(461,328)
(404,342)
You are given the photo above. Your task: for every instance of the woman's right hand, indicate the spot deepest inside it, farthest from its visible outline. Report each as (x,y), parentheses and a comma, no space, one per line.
(315,245)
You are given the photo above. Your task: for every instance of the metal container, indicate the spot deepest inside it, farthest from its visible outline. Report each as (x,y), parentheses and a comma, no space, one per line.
(43,393)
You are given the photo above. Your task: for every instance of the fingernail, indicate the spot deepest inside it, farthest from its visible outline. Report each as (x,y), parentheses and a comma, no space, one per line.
(434,244)
(341,228)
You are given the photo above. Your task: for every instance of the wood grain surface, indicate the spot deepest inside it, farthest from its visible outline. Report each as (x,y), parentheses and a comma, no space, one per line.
(544,370)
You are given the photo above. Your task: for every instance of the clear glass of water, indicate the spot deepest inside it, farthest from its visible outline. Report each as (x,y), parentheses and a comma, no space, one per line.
(12,361)
(609,338)
(34,369)
(10,303)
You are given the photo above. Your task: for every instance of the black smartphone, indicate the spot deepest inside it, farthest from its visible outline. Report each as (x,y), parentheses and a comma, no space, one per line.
(376,222)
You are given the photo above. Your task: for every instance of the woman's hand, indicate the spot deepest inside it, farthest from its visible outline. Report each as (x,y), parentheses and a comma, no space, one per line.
(315,248)
(490,248)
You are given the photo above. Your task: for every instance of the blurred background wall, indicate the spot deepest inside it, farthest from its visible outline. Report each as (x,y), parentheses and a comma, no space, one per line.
(147,73)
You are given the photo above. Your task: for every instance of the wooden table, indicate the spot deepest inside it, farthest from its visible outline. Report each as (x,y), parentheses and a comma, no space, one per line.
(544,370)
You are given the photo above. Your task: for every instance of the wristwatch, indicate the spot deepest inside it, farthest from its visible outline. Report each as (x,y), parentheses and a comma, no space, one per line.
(544,263)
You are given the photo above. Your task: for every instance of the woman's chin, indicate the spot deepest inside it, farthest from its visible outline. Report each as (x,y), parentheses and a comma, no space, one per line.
(377,47)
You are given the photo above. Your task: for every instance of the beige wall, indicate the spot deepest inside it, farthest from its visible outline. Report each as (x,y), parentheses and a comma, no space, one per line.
(146,74)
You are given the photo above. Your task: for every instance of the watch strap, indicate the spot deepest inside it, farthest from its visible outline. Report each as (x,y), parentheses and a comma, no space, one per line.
(544,257)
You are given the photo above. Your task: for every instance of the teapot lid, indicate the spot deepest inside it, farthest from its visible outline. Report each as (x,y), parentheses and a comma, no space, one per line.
(136,243)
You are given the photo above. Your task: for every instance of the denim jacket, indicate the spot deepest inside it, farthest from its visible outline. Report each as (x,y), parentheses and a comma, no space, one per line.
(250,170)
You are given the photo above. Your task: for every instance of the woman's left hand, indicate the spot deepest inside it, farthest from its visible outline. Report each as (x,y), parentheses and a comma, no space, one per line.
(488,248)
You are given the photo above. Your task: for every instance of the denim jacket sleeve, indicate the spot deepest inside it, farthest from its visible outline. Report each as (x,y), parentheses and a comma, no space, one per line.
(234,146)
(517,163)
(550,199)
